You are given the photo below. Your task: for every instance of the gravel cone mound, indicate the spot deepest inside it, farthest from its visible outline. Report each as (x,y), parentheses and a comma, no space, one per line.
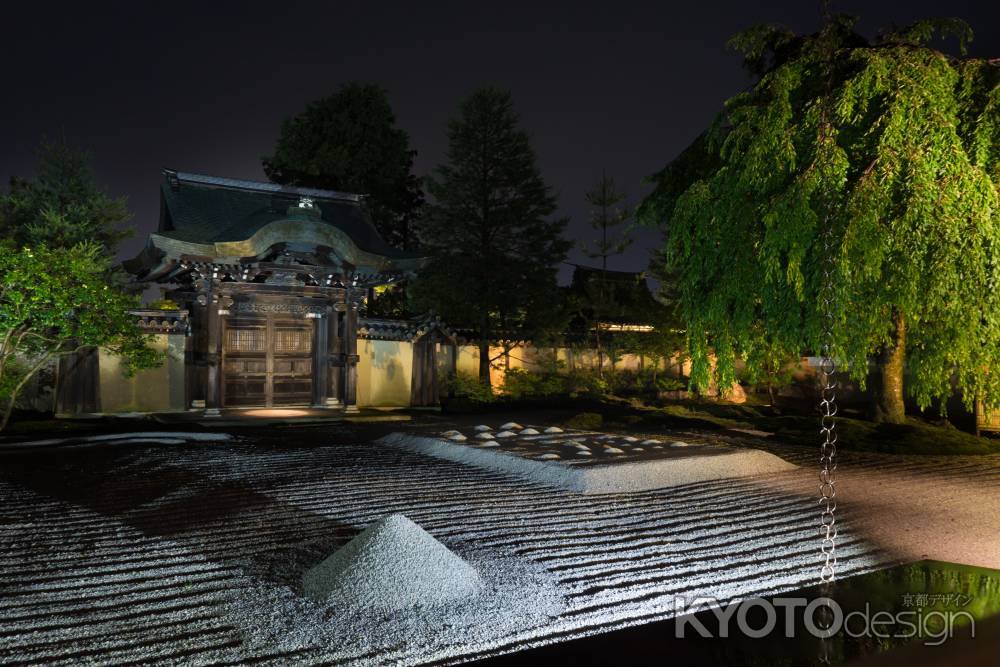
(393,564)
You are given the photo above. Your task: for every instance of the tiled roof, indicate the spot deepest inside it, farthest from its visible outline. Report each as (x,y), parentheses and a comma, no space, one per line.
(373,328)
(152,320)
(208,209)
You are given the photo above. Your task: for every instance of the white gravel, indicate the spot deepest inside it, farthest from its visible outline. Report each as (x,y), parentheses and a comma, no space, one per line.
(393,564)
(203,575)
(515,597)
(143,437)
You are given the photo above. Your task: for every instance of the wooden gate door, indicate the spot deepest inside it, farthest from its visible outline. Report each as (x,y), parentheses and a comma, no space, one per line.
(267,361)
(424,382)
(291,362)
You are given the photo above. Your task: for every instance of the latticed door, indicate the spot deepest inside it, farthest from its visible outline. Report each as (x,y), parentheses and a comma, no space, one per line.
(267,361)
(291,362)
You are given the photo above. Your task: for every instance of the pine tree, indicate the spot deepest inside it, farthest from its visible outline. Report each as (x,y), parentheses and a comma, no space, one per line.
(62,206)
(606,216)
(349,142)
(489,229)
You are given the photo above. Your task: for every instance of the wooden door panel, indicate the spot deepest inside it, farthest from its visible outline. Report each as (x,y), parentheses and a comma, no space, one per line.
(267,362)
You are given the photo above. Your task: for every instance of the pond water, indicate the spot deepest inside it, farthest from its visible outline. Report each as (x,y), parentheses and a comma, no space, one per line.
(928,602)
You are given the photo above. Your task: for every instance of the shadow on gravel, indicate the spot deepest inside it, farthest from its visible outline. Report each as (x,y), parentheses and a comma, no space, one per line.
(226,521)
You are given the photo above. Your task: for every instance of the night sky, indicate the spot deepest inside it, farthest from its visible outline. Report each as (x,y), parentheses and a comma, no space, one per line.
(203,87)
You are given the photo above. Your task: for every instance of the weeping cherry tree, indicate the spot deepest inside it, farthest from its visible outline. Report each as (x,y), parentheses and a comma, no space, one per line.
(893,145)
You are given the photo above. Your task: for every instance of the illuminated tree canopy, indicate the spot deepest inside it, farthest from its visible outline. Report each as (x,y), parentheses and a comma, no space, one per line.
(907,172)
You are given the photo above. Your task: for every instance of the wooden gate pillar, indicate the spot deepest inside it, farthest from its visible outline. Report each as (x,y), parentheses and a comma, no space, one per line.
(336,366)
(320,360)
(213,358)
(351,357)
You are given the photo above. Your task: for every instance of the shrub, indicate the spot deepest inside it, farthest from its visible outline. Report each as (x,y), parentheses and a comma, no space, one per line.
(520,383)
(587,381)
(163,304)
(468,386)
(585,421)
(670,384)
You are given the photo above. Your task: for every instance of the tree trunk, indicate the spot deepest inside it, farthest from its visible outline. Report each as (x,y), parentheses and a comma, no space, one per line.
(484,357)
(889,407)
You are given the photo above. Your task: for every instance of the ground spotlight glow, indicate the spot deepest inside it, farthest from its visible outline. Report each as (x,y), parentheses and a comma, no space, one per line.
(276,412)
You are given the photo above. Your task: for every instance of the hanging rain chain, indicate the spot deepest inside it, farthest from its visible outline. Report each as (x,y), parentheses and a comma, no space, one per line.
(828,368)
(827,375)
(828,408)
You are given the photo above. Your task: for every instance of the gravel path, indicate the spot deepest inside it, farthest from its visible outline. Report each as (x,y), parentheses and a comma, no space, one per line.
(193,554)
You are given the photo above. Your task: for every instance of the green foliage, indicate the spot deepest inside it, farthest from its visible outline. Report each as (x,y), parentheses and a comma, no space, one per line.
(588,381)
(54,302)
(585,421)
(62,206)
(467,386)
(668,383)
(922,32)
(349,142)
(522,383)
(493,244)
(163,304)
(906,174)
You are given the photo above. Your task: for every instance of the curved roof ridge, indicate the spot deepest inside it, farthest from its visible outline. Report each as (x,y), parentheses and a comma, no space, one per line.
(258,186)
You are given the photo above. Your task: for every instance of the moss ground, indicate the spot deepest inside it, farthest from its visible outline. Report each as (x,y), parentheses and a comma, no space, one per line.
(916,436)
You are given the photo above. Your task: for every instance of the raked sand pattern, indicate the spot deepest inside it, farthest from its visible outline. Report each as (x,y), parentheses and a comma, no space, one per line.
(195,553)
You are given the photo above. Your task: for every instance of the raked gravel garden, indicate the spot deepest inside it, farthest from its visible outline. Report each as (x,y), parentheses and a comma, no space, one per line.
(356,544)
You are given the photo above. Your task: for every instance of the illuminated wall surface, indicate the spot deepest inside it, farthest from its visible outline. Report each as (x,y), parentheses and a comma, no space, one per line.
(385,372)
(154,390)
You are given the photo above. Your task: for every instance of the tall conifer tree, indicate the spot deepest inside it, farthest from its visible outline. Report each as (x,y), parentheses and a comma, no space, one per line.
(489,228)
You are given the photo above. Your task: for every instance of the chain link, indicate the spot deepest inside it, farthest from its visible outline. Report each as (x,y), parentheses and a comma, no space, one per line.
(828,368)
(828,424)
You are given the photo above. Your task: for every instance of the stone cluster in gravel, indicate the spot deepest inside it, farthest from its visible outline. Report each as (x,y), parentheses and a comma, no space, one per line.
(588,461)
(393,564)
(552,443)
